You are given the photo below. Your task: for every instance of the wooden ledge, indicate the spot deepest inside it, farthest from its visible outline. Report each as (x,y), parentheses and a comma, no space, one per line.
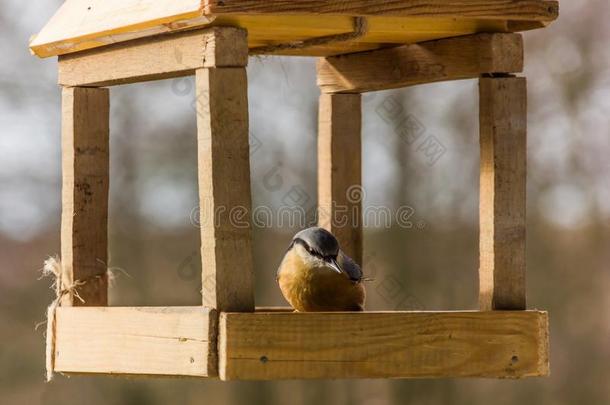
(274,343)
(457,58)
(494,9)
(173,341)
(284,345)
(155,58)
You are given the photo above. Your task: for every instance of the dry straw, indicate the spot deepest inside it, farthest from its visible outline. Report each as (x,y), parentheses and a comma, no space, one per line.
(63,286)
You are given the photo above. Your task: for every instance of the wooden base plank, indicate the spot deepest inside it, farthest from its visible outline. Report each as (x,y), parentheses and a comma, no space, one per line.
(178,341)
(277,345)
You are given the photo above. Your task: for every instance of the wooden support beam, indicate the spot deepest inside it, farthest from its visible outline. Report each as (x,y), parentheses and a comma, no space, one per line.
(84,219)
(340,190)
(224,189)
(176,341)
(155,58)
(276,345)
(503,119)
(493,9)
(433,61)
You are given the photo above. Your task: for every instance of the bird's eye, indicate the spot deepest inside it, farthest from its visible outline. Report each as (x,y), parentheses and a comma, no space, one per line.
(311,251)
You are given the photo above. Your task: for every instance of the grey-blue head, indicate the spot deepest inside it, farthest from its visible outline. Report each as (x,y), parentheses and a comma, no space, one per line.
(319,243)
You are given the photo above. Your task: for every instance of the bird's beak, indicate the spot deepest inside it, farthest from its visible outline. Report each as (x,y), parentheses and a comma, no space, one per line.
(335,266)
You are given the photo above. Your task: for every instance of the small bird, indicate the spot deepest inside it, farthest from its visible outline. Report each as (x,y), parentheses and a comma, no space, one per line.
(315,275)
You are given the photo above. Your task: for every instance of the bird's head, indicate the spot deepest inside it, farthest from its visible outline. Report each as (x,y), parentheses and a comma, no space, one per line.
(320,244)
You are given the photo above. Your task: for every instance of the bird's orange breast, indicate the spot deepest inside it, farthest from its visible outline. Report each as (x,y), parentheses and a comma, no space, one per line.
(310,288)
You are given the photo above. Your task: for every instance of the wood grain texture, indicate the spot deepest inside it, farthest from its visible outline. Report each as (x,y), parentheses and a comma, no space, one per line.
(498,9)
(86,24)
(270,22)
(177,341)
(155,58)
(85,182)
(503,138)
(340,190)
(276,345)
(445,59)
(224,189)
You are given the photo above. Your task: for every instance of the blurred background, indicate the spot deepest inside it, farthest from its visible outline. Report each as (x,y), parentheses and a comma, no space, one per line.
(430,264)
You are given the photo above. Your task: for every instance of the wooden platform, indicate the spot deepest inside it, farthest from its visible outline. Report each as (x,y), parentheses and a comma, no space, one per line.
(136,340)
(86,24)
(276,344)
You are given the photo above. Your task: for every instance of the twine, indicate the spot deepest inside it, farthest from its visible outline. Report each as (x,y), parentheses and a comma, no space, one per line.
(62,286)
(360,29)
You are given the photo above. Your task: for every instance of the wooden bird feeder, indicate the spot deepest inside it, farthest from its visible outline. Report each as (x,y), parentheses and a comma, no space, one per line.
(363,45)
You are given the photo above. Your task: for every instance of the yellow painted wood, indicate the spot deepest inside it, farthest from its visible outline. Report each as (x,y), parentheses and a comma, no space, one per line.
(382,31)
(284,345)
(177,341)
(405,21)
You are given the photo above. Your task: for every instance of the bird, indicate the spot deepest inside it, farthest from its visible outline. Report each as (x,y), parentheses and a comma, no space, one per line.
(315,275)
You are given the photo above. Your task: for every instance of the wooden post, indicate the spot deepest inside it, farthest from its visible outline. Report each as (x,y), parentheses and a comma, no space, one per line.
(340,190)
(503,115)
(224,187)
(84,220)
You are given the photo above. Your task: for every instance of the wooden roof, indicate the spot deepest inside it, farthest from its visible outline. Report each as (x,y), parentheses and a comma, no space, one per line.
(86,24)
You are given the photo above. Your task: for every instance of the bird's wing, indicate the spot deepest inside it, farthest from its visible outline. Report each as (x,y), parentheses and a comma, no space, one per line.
(349,266)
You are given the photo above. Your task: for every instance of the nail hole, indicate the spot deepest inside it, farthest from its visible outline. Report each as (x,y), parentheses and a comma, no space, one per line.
(264,359)
(514,359)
